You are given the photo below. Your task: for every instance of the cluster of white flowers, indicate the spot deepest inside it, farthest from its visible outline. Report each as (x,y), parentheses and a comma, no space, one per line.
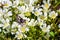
(17,16)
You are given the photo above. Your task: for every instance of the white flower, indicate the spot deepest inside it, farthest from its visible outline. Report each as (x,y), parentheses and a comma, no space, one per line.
(0,30)
(5,23)
(9,13)
(29,2)
(58,10)
(32,22)
(29,8)
(5,10)
(32,1)
(1,20)
(15,3)
(22,15)
(1,25)
(43,17)
(53,15)
(45,28)
(26,8)
(22,9)
(45,14)
(27,29)
(23,28)
(59,25)
(7,3)
(46,4)
(15,24)
(18,35)
(40,22)
(27,20)
(14,27)
(1,12)
(38,12)
(26,1)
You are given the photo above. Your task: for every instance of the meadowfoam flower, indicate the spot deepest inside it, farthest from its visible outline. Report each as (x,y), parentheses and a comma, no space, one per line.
(18,35)
(14,27)
(32,22)
(58,10)
(27,29)
(22,28)
(59,25)
(46,4)
(22,9)
(53,15)
(27,19)
(1,25)
(38,12)
(40,22)
(29,2)
(5,23)
(26,8)
(45,28)
(15,3)
(15,24)
(1,12)
(43,17)
(0,30)
(7,14)
(26,1)
(7,3)
(29,8)
(21,15)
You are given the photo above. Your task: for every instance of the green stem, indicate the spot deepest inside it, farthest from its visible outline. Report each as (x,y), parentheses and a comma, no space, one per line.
(56,5)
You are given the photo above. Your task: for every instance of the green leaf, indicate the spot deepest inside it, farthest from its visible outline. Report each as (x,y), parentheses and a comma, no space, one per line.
(52,34)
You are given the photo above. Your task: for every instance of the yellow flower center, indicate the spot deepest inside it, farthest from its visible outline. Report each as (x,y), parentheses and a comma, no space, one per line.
(42,17)
(36,13)
(27,14)
(44,29)
(20,36)
(23,29)
(46,5)
(6,24)
(5,4)
(40,23)
(26,22)
(53,16)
